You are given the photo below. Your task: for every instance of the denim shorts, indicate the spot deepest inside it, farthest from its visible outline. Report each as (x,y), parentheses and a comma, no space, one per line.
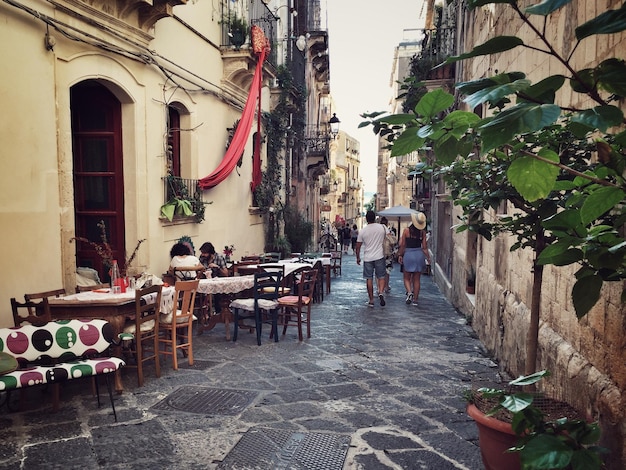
(371,267)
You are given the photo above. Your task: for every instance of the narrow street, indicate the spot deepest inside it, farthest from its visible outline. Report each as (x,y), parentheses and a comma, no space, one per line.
(373,388)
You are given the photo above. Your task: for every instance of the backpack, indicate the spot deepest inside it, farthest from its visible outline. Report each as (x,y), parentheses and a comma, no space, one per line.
(389,243)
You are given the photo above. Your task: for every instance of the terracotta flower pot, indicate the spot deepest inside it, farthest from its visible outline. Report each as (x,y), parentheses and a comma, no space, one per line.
(495,437)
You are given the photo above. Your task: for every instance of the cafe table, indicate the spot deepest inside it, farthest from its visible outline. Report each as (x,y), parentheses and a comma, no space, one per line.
(231,286)
(103,304)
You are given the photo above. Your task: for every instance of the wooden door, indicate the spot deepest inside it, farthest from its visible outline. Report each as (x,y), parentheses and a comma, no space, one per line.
(98,173)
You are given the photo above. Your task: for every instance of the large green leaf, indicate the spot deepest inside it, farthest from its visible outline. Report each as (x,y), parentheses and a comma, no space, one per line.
(584,459)
(611,76)
(545,7)
(467,88)
(545,90)
(600,117)
(496,93)
(492,46)
(567,221)
(519,119)
(397,119)
(585,294)
(600,201)
(447,149)
(532,178)
(545,452)
(553,255)
(434,102)
(517,402)
(611,21)
(407,142)
(457,122)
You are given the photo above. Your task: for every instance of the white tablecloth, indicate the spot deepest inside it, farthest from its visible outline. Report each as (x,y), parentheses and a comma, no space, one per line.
(167,297)
(226,285)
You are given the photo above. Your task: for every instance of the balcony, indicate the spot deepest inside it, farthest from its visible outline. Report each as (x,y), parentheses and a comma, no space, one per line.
(236,28)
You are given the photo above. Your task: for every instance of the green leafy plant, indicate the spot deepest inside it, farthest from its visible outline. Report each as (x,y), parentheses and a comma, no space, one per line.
(560,167)
(181,203)
(544,443)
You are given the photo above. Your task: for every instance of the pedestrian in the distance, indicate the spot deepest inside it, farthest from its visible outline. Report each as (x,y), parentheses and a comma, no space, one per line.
(370,240)
(413,254)
(345,233)
(354,233)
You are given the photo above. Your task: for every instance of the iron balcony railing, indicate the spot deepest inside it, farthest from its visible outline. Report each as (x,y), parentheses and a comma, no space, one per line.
(258,14)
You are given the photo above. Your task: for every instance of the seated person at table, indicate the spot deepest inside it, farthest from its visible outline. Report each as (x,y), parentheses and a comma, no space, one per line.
(217,264)
(182,258)
(213,261)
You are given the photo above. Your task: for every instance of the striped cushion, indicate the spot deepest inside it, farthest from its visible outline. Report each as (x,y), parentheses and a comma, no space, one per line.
(248,304)
(293,300)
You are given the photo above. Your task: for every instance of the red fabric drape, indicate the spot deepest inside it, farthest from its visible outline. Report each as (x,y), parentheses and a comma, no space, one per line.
(238,144)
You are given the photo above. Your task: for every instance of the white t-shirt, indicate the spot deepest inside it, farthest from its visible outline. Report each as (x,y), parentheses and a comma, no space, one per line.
(372,236)
(185,262)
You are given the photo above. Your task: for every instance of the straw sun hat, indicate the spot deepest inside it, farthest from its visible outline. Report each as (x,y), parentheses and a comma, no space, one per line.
(419,220)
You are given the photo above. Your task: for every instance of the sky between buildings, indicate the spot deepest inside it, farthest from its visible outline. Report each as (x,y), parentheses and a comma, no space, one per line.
(362,36)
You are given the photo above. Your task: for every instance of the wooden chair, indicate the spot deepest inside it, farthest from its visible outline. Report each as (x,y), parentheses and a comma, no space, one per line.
(176,328)
(266,285)
(31,312)
(190,273)
(43,295)
(253,259)
(245,269)
(144,346)
(270,257)
(335,264)
(92,287)
(318,292)
(296,309)
(284,288)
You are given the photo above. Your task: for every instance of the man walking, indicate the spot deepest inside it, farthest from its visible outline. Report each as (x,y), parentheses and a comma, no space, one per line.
(371,239)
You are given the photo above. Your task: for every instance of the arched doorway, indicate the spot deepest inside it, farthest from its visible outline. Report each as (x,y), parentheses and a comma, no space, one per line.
(97,173)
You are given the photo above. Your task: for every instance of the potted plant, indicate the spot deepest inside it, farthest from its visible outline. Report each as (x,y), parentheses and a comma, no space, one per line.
(520,429)
(238,31)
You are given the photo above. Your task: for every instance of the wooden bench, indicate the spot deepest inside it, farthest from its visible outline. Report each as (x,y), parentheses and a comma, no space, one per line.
(56,352)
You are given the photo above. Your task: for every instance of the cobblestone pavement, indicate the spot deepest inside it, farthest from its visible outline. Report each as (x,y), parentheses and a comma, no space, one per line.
(373,388)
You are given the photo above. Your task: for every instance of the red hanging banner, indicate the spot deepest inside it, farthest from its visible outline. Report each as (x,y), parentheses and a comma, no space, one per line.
(260,46)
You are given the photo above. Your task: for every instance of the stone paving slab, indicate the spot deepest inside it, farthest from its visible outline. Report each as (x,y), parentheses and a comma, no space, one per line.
(388,382)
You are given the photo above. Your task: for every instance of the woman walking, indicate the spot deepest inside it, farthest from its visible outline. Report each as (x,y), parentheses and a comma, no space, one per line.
(413,254)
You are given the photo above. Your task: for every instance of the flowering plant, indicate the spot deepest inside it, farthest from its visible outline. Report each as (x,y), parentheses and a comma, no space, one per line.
(105,251)
(228,250)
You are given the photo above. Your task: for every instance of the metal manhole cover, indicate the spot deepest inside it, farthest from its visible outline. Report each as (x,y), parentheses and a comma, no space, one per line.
(208,401)
(263,448)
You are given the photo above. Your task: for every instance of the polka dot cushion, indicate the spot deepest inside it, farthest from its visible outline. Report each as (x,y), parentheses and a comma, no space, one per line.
(60,350)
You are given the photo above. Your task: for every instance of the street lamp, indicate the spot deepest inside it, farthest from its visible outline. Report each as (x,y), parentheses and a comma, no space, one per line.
(334,125)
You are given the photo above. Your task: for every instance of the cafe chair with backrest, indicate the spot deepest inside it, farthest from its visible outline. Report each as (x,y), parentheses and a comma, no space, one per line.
(296,309)
(31,312)
(144,331)
(263,307)
(284,288)
(190,273)
(176,327)
(335,264)
(43,295)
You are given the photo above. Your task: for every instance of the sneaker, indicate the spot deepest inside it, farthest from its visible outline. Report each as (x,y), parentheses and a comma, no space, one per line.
(409,298)
(369,304)
(387,290)
(381,297)
(414,303)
